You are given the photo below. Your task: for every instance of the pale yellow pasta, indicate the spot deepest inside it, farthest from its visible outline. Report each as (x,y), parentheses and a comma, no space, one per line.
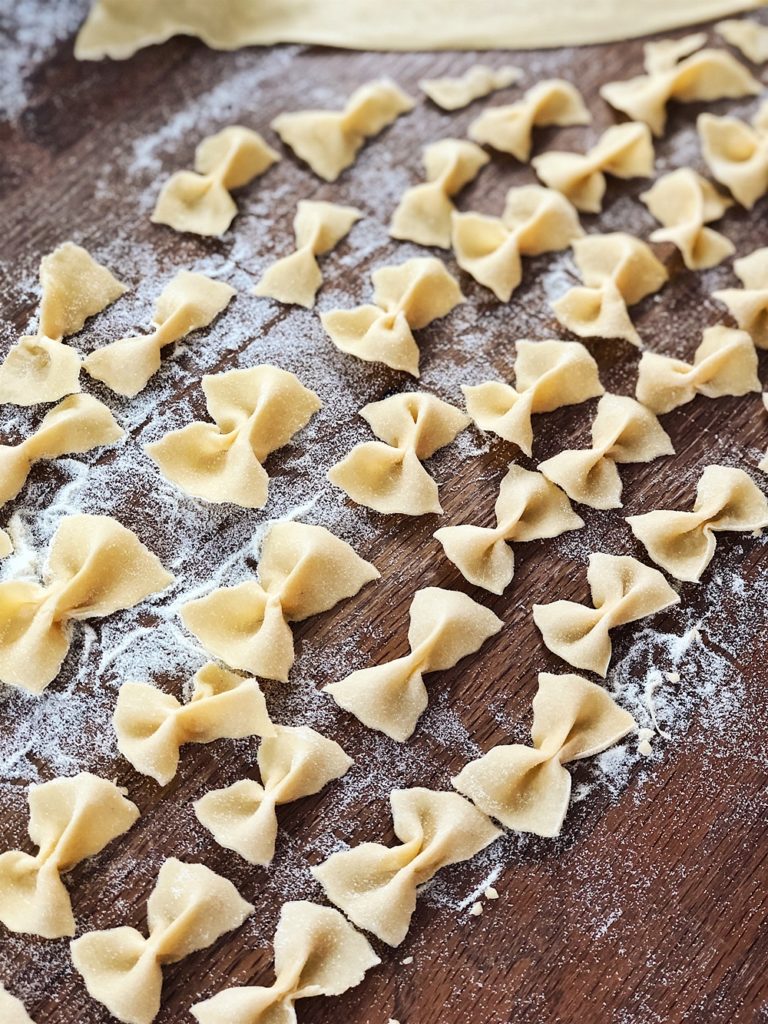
(12,1010)
(423,214)
(622,151)
(746,35)
(317,953)
(387,475)
(188,303)
(618,271)
(683,543)
(623,590)
(318,227)
(622,431)
(74,287)
(255,411)
(528,789)
(70,819)
(329,140)
(199,201)
(736,153)
(548,376)
(406,297)
(685,203)
(95,567)
(303,570)
(476,82)
(535,220)
(725,363)
(376,886)
(445,626)
(6,544)
(510,128)
(293,763)
(189,908)
(151,726)
(748,305)
(528,508)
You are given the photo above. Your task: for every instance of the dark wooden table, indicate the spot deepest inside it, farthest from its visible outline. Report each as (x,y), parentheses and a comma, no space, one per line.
(651,907)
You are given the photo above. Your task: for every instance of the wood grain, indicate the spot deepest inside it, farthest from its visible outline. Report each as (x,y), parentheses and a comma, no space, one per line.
(652,905)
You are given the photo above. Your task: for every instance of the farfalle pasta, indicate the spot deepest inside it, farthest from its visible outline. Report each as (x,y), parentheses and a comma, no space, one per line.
(748,305)
(622,431)
(548,376)
(528,789)
(535,220)
(423,214)
(188,303)
(293,763)
(725,363)
(748,36)
(622,151)
(318,227)
(6,544)
(12,1010)
(685,203)
(77,424)
(476,82)
(737,153)
(317,953)
(683,543)
(96,567)
(623,590)
(189,908)
(70,819)
(304,570)
(675,72)
(255,411)
(618,271)
(152,726)
(528,508)
(74,287)
(329,140)
(387,475)
(199,201)
(376,886)
(446,626)
(406,297)
(510,128)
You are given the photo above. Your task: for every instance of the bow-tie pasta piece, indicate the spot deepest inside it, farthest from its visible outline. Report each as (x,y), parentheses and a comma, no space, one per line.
(376,886)
(622,431)
(748,305)
(675,72)
(683,543)
(199,201)
(725,363)
(304,570)
(6,544)
(528,508)
(70,819)
(476,82)
(737,153)
(748,36)
(318,227)
(387,475)
(151,725)
(95,567)
(74,287)
(528,789)
(535,220)
(685,203)
(446,626)
(330,140)
(623,590)
(77,424)
(317,953)
(294,763)
(12,1010)
(623,151)
(255,412)
(406,297)
(188,303)
(548,376)
(188,910)
(423,215)
(510,129)
(618,271)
